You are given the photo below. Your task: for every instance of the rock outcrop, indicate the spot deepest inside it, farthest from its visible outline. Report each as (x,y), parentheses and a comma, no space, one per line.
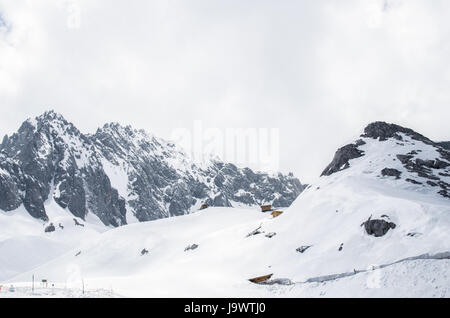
(378,227)
(422,162)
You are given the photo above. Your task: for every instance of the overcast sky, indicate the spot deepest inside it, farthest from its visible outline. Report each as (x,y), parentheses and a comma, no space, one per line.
(320,71)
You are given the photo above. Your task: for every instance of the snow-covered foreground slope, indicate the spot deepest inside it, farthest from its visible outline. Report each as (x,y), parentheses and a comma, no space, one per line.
(61,291)
(363,229)
(24,244)
(226,258)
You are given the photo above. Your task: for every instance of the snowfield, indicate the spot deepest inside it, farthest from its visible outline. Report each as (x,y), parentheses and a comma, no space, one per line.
(226,258)
(24,244)
(318,247)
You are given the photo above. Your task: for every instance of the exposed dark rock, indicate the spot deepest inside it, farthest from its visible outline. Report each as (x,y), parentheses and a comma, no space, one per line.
(341,159)
(50,228)
(78,253)
(382,131)
(359,142)
(61,226)
(378,227)
(271,234)
(444,185)
(404,158)
(434,164)
(255,232)
(444,144)
(341,247)
(413,181)
(34,201)
(445,154)
(9,193)
(303,248)
(431,183)
(427,175)
(191,247)
(78,223)
(391,172)
(144,251)
(444,193)
(423,168)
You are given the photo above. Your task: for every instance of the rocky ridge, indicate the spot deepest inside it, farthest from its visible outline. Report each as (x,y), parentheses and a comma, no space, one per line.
(121,174)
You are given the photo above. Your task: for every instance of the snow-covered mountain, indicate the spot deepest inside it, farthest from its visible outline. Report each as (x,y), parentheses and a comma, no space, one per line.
(392,152)
(122,175)
(377,223)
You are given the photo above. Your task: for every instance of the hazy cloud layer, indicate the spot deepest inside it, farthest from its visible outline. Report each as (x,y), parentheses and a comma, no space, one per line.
(317,70)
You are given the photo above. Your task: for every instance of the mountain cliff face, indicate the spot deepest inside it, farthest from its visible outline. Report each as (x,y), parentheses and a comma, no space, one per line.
(121,174)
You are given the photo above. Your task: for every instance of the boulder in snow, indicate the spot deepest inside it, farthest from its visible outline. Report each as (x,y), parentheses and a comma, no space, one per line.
(391,173)
(378,227)
(50,228)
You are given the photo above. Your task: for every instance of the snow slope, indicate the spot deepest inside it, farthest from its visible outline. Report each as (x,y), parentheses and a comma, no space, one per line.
(342,259)
(226,257)
(24,244)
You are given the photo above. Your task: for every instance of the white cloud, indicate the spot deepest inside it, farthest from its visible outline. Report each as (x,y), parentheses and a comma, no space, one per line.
(317,70)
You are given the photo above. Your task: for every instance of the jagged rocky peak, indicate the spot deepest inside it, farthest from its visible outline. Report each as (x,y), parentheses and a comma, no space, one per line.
(382,131)
(50,159)
(114,135)
(120,173)
(399,154)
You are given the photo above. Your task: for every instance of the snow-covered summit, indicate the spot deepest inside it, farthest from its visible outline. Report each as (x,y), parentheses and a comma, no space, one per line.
(397,155)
